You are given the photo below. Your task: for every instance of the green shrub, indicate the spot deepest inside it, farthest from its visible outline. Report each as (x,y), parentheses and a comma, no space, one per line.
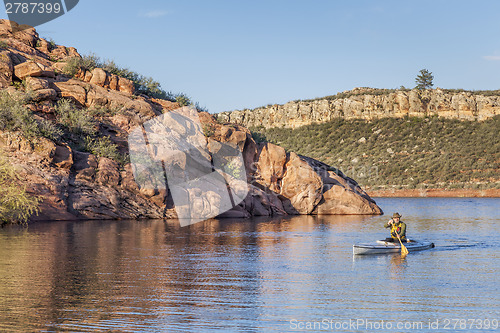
(102,147)
(208,130)
(102,111)
(15,116)
(16,206)
(233,168)
(90,62)
(3,44)
(87,62)
(201,108)
(52,44)
(49,130)
(258,137)
(183,100)
(75,120)
(73,65)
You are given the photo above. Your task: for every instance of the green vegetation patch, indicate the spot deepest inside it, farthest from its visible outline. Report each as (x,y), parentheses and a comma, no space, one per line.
(75,120)
(75,126)
(102,147)
(16,205)
(401,152)
(15,116)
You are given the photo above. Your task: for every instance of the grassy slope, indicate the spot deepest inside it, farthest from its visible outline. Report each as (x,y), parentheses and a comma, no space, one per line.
(401,153)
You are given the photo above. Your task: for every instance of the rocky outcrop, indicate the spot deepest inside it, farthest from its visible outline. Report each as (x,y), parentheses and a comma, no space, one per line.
(77,185)
(365,103)
(80,185)
(139,108)
(101,78)
(286,183)
(91,95)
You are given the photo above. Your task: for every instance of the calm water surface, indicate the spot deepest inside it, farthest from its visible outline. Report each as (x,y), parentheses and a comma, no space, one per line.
(262,275)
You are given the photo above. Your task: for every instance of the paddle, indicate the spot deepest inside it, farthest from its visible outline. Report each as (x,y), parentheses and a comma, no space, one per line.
(404,250)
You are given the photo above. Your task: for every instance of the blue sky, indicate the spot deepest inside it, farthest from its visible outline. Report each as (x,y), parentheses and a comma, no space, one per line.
(242,54)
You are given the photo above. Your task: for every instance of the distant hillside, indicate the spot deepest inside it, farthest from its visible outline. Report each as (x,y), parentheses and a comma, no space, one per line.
(401,153)
(370,103)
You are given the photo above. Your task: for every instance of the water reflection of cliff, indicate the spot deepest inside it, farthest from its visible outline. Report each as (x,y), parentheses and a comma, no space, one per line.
(85,275)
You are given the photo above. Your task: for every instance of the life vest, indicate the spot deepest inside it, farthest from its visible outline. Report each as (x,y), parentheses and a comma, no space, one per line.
(395,229)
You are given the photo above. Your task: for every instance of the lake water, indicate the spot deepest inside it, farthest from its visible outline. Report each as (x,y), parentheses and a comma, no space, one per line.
(261,275)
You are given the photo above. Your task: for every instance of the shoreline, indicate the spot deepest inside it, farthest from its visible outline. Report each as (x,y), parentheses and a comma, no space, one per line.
(435,193)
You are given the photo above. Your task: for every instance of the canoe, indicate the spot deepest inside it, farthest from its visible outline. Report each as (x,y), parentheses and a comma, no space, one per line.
(383,247)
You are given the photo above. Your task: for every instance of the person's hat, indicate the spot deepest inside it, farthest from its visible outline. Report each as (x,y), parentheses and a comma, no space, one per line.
(396,215)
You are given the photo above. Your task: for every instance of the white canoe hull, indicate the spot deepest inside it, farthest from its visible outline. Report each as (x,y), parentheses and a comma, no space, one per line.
(382,247)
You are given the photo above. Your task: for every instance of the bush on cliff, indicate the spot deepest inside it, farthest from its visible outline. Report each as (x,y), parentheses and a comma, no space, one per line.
(102,147)
(49,129)
(75,126)
(74,64)
(16,205)
(75,120)
(15,116)
(81,129)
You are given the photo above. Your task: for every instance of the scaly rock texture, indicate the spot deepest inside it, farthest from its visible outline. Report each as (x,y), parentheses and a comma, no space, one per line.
(367,103)
(80,185)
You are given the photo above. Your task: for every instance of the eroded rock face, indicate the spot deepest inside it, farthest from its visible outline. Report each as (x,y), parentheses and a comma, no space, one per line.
(6,69)
(36,83)
(301,185)
(342,195)
(344,201)
(28,68)
(368,105)
(63,157)
(44,95)
(108,173)
(285,183)
(32,56)
(90,187)
(271,166)
(138,109)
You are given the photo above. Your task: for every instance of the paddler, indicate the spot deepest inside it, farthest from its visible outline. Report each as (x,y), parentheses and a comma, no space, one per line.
(398,227)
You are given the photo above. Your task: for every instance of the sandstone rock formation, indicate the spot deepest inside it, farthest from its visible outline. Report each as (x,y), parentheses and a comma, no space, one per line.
(80,185)
(286,183)
(365,103)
